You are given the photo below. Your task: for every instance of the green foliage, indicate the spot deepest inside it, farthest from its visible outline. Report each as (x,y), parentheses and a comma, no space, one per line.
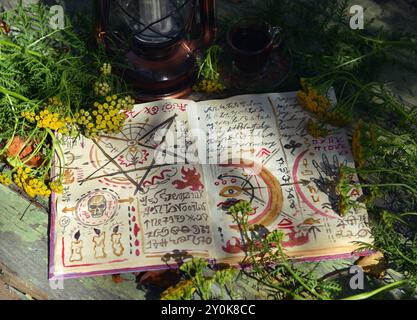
(200,280)
(208,77)
(282,278)
(267,263)
(39,62)
(322,41)
(330,54)
(50,81)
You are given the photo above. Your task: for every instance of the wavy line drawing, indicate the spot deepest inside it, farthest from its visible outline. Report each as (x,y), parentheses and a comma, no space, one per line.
(154,179)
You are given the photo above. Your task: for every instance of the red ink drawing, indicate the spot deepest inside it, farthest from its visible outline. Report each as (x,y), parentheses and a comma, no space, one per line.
(154,179)
(233,246)
(192,180)
(285,224)
(263,152)
(295,240)
(136,230)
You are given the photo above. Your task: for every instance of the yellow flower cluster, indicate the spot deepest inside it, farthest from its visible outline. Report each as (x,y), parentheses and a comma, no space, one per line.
(102,88)
(182,291)
(30,184)
(105,69)
(337,119)
(56,102)
(5,180)
(316,130)
(312,101)
(56,187)
(51,120)
(209,86)
(357,148)
(47,119)
(29,115)
(105,117)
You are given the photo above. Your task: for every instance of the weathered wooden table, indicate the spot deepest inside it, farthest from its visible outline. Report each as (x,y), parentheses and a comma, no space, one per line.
(24,224)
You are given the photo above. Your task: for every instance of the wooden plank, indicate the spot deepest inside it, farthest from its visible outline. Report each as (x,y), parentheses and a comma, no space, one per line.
(10,278)
(6,293)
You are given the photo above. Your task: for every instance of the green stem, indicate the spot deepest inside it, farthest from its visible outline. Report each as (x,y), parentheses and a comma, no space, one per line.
(12,45)
(57,145)
(37,149)
(408,214)
(275,287)
(44,37)
(398,108)
(354,60)
(296,277)
(382,171)
(367,295)
(389,42)
(13,94)
(405,257)
(48,166)
(28,140)
(389,185)
(16,121)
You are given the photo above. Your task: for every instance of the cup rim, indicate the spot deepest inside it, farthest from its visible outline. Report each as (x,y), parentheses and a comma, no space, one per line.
(245,52)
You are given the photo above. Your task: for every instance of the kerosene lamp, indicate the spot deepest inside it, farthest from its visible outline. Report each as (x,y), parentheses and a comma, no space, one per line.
(155,40)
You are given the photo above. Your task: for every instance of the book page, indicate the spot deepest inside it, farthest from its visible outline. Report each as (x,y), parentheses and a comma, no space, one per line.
(131,201)
(287,176)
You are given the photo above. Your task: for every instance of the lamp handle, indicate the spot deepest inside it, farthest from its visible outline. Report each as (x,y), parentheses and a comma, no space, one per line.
(208,25)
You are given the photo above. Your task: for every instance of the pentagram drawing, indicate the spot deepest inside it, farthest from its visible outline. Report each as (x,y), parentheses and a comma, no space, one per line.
(127,160)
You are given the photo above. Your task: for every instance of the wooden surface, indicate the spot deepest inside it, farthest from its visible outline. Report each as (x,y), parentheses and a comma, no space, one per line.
(6,292)
(24,227)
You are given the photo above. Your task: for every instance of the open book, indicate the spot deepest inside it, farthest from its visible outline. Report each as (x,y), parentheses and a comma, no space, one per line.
(161,189)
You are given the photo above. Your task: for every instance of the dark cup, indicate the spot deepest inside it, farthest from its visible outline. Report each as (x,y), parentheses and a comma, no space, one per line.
(251,42)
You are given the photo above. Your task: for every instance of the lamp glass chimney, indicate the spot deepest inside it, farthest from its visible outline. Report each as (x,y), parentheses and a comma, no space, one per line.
(155,21)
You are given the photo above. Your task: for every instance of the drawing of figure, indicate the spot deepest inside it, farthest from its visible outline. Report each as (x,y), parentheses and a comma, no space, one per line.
(99,244)
(76,248)
(116,243)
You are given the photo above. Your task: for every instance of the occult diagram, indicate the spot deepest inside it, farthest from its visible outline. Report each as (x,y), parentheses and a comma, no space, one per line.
(129,160)
(243,181)
(237,182)
(102,225)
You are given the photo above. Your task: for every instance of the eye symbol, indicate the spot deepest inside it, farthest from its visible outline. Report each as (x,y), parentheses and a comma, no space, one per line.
(230,191)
